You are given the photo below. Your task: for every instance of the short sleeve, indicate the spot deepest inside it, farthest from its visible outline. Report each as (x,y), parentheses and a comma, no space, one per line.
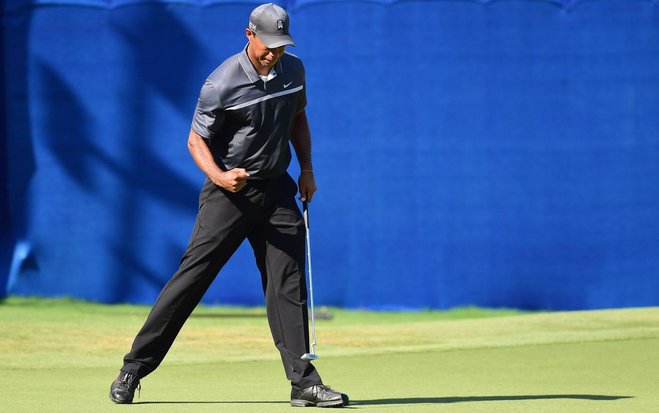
(302,96)
(302,99)
(208,115)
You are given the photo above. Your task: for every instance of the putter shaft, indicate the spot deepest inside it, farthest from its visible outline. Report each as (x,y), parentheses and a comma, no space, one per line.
(312,355)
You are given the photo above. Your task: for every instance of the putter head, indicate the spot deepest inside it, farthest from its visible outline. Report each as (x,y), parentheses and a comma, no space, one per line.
(309,356)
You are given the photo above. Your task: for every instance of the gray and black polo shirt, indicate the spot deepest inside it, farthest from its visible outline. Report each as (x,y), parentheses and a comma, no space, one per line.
(247,121)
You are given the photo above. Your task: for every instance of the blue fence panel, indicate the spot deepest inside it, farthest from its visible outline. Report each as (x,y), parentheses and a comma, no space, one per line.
(499,153)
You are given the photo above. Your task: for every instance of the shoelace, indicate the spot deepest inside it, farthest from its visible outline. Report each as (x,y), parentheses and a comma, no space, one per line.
(128,379)
(325,388)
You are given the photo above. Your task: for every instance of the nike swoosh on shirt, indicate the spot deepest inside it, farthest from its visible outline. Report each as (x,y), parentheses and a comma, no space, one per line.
(287,84)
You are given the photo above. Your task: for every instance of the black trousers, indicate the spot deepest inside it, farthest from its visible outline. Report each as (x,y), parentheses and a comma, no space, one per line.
(264,212)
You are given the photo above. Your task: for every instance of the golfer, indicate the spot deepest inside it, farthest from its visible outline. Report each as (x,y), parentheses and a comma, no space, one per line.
(248,111)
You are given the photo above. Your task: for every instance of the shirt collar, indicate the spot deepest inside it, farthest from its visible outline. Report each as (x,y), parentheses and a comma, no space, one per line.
(269,76)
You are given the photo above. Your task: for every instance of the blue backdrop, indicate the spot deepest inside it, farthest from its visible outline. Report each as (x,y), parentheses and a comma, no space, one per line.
(467,153)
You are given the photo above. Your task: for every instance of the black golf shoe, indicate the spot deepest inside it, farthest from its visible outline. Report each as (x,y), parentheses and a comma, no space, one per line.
(123,388)
(318,396)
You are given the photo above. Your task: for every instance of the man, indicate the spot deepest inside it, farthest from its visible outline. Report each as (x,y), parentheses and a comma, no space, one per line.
(248,110)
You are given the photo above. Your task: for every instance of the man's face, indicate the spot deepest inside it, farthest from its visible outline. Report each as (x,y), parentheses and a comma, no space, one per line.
(262,57)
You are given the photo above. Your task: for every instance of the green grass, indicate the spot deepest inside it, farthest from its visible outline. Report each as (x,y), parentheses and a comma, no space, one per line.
(61,355)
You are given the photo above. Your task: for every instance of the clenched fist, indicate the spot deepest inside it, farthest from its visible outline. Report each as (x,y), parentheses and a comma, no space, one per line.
(233,180)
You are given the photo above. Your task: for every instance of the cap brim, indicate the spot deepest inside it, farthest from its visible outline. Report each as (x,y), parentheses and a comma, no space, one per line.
(272,42)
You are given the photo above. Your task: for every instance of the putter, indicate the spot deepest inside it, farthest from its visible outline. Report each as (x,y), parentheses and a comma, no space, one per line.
(312,355)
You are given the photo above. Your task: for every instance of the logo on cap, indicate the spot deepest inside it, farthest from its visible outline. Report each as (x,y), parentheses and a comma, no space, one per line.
(280,25)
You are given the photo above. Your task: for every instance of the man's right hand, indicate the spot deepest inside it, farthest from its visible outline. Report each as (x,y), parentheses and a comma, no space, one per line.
(233,180)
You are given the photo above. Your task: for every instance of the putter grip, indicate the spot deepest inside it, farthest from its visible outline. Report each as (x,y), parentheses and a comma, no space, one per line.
(305,212)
